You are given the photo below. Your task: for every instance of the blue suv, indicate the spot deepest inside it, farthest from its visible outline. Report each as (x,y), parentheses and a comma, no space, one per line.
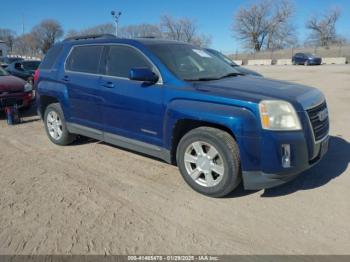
(179,103)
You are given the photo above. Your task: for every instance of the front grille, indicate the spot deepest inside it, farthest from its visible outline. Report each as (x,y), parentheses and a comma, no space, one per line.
(319,126)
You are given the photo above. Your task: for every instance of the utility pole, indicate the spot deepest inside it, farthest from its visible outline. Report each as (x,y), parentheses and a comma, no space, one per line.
(116,15)
(22,23)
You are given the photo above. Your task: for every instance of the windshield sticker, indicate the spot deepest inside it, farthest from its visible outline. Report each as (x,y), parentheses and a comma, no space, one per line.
(201,53)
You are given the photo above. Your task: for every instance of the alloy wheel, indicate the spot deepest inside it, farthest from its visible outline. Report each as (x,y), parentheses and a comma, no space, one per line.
(204,164)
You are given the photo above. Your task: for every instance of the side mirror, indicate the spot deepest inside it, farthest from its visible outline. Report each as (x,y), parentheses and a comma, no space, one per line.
(144,75)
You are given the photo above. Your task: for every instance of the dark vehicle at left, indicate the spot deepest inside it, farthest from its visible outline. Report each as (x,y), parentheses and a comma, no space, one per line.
(228,60)
(24,69)
(5,61)
(306,59)
(14,91)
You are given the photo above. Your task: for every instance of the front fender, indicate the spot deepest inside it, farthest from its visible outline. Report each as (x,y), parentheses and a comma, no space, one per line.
(240,120)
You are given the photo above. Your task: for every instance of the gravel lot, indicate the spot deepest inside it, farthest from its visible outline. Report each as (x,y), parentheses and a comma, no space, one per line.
(93,198)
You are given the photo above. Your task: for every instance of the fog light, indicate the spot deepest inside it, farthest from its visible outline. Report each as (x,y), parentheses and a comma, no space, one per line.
(286,156)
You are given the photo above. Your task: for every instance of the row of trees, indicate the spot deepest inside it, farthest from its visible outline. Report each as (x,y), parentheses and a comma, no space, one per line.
(182,29)
(36,42)
(39,40)
(268,24)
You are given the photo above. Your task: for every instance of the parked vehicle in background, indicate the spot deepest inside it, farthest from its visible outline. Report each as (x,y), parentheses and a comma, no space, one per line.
(306,59)
(175,101)
(14,91)
(23,69)
(228,60)
(5,61)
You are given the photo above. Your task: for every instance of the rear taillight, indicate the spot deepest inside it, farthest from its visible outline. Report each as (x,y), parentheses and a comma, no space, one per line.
(36,76)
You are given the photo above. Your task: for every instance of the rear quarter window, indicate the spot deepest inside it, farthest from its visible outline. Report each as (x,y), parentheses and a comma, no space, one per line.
(51,57)
(85,59)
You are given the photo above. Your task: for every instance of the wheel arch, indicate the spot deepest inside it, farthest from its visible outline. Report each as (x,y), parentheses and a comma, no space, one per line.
(45,101)
(183,126)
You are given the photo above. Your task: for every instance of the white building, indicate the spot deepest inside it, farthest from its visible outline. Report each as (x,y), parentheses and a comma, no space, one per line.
(3,48)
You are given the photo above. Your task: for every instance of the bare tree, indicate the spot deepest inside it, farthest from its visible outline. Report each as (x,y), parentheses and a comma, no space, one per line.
(141,30)
(251,25)
(71,33)
(107,28)
(281,30)
(171,28)
(27,45)
(183,29)
(265,24)
(324,28)
(47,33)
(8,36)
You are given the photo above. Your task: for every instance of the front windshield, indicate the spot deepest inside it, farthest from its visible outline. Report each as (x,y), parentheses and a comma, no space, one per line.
(31,65)
(192,63)
(309,55)
(3,72)
(222,56)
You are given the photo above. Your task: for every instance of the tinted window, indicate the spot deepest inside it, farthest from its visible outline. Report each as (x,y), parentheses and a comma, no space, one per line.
(30,65)
(121,59)
(51,57)
(85,59)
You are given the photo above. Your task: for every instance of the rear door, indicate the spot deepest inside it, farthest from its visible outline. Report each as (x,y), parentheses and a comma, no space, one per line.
(131,108)
(81,76)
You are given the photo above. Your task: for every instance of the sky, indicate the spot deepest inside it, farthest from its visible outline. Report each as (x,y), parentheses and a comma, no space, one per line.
(213,17)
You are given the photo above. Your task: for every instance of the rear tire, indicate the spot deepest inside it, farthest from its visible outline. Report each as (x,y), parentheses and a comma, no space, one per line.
(56,127)
(209,161)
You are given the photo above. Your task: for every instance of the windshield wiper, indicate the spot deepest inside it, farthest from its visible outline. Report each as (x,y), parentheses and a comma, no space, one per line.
(230,75)
(214,78)
(202,79)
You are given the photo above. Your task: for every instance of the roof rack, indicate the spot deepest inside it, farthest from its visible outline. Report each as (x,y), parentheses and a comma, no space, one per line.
(92,36)
(147,36)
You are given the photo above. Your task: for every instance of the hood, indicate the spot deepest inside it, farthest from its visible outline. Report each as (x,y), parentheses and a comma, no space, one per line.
(255,89)
(11,84)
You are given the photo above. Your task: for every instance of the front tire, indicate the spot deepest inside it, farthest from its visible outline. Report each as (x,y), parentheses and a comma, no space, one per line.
(209,161)
(56,127)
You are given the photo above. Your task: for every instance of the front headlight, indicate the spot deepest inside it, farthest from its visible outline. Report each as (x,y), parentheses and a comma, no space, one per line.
(28,87)
(278,115)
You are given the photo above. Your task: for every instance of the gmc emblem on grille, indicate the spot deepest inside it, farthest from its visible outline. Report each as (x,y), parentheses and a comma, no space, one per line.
(322,115)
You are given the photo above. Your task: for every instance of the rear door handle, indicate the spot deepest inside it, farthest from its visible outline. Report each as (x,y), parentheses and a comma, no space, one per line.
(66,79)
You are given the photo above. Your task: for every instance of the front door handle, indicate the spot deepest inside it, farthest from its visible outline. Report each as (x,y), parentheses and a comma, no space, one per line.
(108,84)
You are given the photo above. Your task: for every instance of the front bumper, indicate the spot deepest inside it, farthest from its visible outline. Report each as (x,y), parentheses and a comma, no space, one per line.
(315,62)
(21,99)
(268,157)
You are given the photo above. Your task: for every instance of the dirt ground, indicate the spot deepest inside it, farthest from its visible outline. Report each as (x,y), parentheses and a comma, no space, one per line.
(93,198)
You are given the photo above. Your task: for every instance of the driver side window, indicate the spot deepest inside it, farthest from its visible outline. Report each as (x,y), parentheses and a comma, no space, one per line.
(121,59)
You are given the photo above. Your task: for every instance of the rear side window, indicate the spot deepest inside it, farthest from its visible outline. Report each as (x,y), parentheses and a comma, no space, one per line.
(121,59)
(85,59)
(51,57)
